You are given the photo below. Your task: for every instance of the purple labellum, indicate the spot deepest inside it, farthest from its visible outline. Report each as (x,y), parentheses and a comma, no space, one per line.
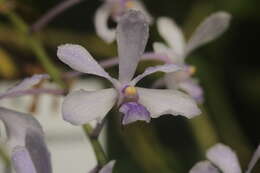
(134,111)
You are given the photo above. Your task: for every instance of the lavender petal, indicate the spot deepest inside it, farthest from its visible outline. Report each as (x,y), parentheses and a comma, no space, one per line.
(26,140)
(172,34)
(38,151)
(108,168)
(134,111)
(79,59)
(24,85)
(167,101)
(211,28)
(132,36)
(22,161)
(167,68)
(254,160)
(224,158)
(16,134)
(204,167)
(101,24)
(81,106)
(193,89)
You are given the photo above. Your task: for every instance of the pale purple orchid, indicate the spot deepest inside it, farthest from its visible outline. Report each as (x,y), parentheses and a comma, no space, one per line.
(212,27)
(108,168)
(223,159)
(29,152)
(135,103)
(114,9)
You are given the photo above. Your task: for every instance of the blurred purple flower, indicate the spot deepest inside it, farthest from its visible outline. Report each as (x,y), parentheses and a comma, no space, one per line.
(211,28)
(223,159)
(29,152)
(115,9)
(135,103)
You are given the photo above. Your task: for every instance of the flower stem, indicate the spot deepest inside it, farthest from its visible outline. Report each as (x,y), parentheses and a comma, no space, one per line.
(36,46)
(204,131)
(93,137)
(34,91)
(5,159)
(52,13)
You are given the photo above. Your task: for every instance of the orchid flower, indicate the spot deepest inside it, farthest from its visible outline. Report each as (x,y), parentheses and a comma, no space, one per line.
(211,28)
(29,152)
(114,9)
(223,158)
(135,103)
(108,168)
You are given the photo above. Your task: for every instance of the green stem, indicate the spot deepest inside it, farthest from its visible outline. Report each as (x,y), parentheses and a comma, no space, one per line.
(222,113)
(147,150)
(204,131)
(5,158)
(36,46)
(99,152)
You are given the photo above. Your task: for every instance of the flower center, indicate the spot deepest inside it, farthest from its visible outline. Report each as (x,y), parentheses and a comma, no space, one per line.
(132,110)
(191,70)
(129,94)
(130,91)
(129,4)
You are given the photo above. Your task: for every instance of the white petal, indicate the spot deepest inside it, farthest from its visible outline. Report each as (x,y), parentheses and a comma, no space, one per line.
(254,160)
(79,59)
(167,68)
(101,24)
(26,141)
(27,83)
(172,34)
(224,158)
(108,168)
(132,35)
(192,88)
(17,134)
(163,49)
(208,30)
(163,101)
(22,161)
(204,167)
(138,5)
(80,107)
(173,80)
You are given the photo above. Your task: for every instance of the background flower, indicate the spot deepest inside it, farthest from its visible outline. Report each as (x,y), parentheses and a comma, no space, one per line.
(212,27)
(25,135)
(225,159)
(115,9)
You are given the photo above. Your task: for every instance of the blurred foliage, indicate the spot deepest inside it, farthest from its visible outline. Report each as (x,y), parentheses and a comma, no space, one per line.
(228,69)
(7,66)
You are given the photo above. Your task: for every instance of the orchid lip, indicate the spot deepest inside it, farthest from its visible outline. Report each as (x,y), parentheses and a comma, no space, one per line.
(134,111)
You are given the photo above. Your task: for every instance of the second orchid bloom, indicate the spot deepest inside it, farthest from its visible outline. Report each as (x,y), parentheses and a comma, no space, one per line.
(177,49)
(115,9)
(135,103)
